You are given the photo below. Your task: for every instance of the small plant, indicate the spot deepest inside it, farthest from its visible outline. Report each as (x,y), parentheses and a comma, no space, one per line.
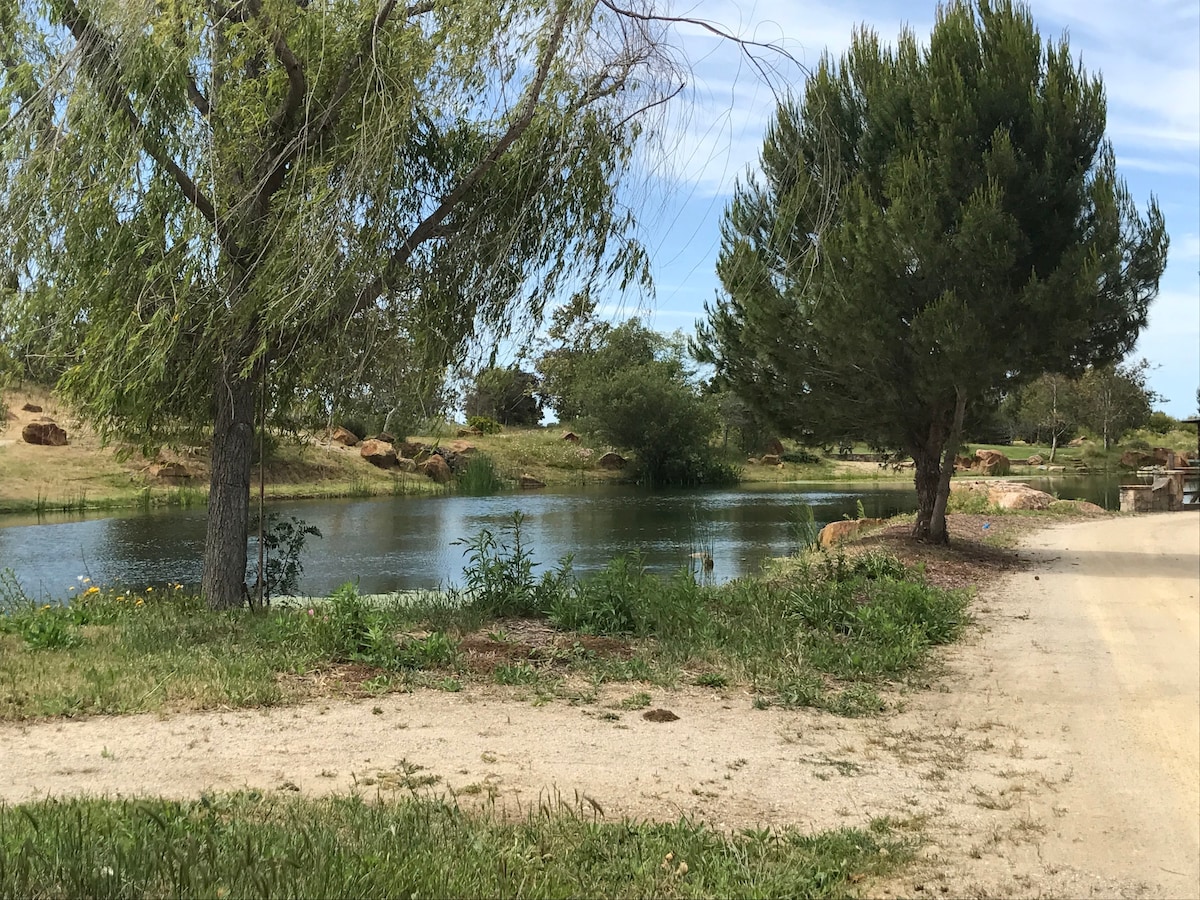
(283,544)
(499,574)
(640,700)
(803,529)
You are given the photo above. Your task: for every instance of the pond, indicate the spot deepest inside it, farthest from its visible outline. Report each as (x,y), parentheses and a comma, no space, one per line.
(405,543)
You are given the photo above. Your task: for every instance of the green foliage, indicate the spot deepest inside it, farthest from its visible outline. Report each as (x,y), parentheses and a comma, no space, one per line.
(1112,400)
(635,392)
(802,527)
(250,844)
(507,395)
(1161,423)
(283,543)
(931,227)
(499,574)
(479,477)
(624,599)
(486,424)
(801,456)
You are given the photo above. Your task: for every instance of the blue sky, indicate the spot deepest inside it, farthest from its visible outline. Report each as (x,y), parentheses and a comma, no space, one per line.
(1148,53)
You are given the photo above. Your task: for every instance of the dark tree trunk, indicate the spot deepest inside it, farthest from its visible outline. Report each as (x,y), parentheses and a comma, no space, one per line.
(223,583)
(934,461)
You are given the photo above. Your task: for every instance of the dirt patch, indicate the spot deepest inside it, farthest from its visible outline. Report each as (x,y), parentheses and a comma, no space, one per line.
(509,642)
(971,558)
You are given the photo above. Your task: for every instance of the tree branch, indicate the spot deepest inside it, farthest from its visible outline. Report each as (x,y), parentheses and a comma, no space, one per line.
(98,56)
(432,225)
(197,97)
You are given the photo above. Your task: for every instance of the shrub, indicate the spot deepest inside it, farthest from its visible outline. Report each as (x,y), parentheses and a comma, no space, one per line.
(486,424)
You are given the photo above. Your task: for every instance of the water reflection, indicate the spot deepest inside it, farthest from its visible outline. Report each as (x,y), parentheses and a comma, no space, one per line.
(404,543)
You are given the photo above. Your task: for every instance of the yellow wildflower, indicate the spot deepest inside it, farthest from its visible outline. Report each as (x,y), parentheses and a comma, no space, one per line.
(47,606)
(149,589)
(92,590)
(140,601)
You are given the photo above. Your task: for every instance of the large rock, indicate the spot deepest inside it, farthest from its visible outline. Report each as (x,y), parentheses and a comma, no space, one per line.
(406,465)
(31,407)
(770,460)
(1019,496)
(344,436)
(774,447)
(436,469)
(570,437)
(378,454)
(1035,460)
(462,448)
(528,482)
(836,532)
(45,433)
(413,450)
(993,462)
(170,472)
(611,461)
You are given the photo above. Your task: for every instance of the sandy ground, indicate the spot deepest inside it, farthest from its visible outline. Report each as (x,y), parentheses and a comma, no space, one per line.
(1057,755)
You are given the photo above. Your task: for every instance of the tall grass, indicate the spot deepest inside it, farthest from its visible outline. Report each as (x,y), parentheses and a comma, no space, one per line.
(480,477)
(249,845)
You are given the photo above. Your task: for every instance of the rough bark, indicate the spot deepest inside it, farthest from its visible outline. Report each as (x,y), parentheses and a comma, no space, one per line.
(934,461)
(223,583)
(937,524)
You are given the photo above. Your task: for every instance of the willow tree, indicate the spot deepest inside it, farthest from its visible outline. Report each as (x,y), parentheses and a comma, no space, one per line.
(203,199)
(931,226)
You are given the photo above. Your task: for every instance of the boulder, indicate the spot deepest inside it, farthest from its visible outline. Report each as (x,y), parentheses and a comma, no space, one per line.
(1026,499)
(993,462)
(774,447)
(528,482)
(1035,460)
(836,532)
(344,436)
(413,450)
(469,432)
(436,469)
(31,407)
(462,448)
(171,471)
(752,460)
(1137,459)
(963,463)
(611,461)
(45,433)
(1077,442)
(769,460)
(404,464)
(386,438)
(571,437)
(378,454)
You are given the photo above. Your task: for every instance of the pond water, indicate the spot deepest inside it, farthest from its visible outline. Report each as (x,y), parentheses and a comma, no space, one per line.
(405,543)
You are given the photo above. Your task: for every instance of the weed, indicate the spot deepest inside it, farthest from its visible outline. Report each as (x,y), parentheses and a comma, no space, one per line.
(480,477)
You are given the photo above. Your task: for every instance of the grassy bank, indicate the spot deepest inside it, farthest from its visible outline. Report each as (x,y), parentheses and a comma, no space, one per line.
(834,632)
(246,845)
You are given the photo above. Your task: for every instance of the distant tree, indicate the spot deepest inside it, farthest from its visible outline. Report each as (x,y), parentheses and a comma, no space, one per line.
(931,227)
(575,335)
(1113,400)
(1049,408)
(508,395)
(1161,423)
(636,392)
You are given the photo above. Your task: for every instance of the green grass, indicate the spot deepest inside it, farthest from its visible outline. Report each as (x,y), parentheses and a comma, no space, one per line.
(832,634)
(248,845)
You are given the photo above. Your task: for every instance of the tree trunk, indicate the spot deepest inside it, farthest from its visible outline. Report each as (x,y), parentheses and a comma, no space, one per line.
(223,583)
(934,463)
(1053,444)
(928,474)
(937,524)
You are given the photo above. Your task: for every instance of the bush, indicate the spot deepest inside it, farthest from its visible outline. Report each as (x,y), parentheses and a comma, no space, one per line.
(800,456)
(486,424)
(479,477)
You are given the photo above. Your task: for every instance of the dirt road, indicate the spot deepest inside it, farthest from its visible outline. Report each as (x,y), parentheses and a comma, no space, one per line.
(1057,755)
